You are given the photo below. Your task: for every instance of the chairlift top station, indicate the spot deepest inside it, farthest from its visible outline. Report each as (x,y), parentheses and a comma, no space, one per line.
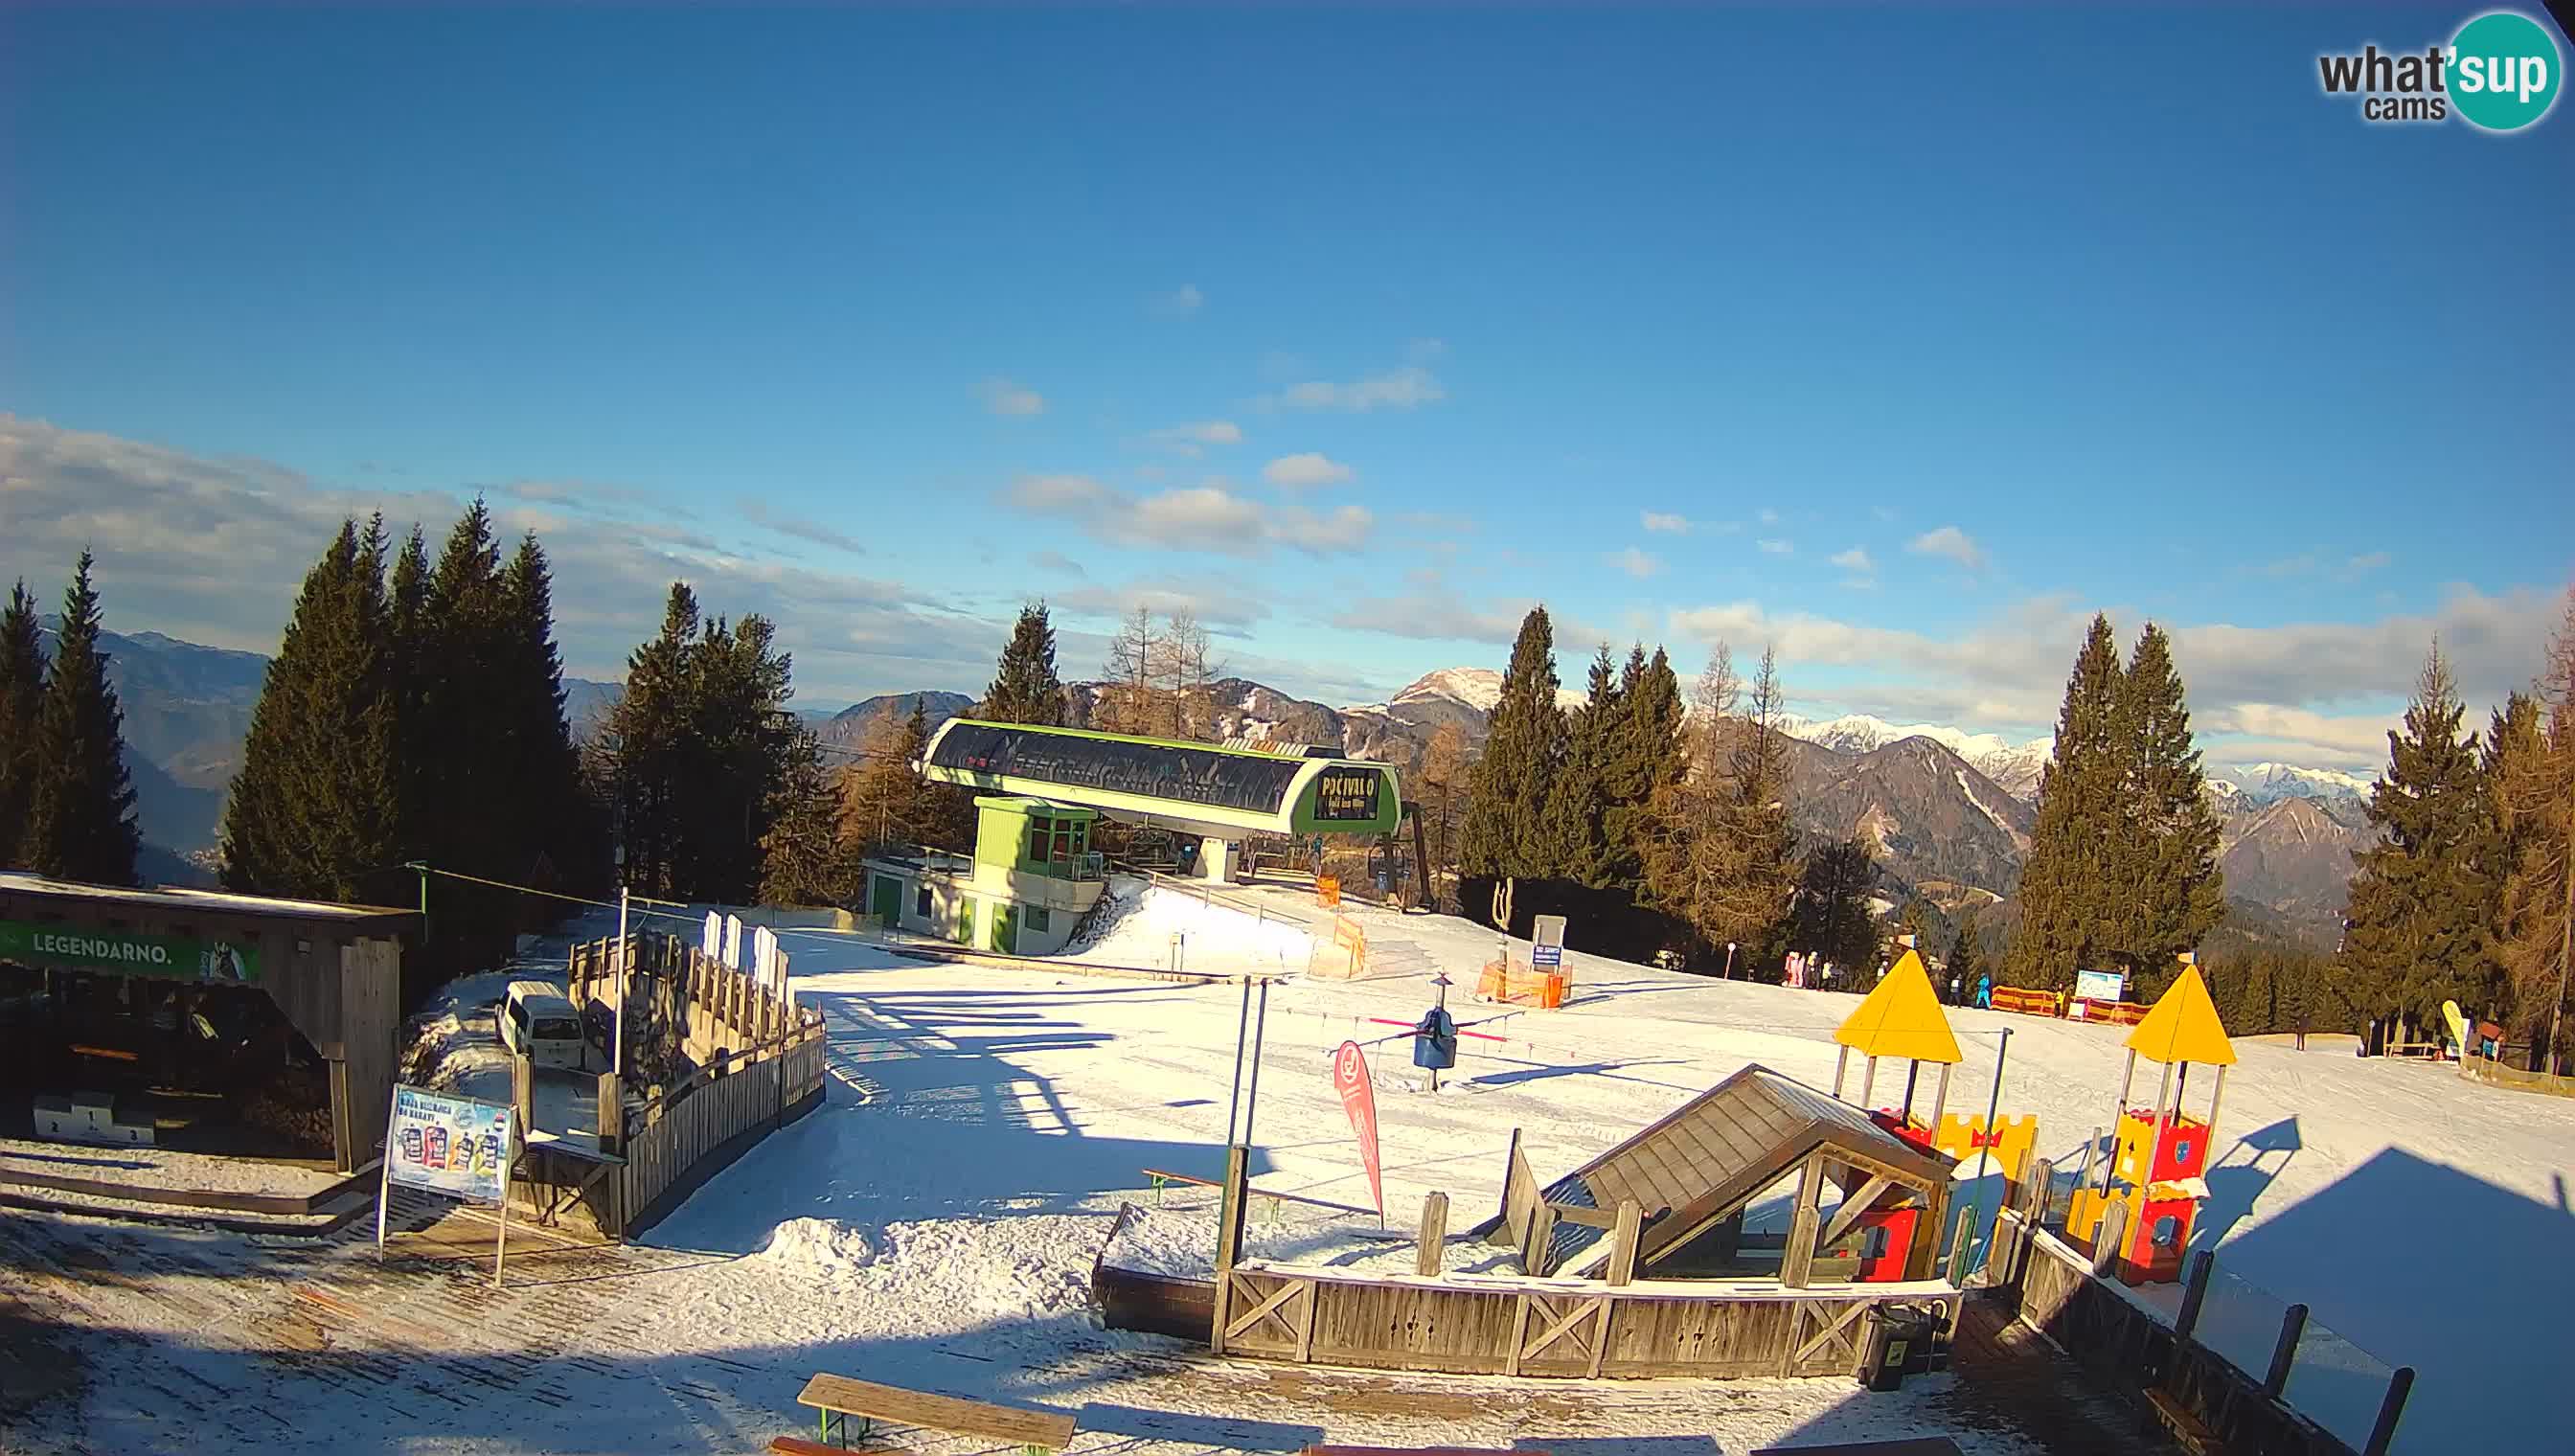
(1216,792)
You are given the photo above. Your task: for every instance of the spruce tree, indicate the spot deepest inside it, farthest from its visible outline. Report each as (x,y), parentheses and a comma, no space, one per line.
(803,860)
(313,812)
(2419,913)
(1577,799)
(1968,956)
(1830,918)
(642,745)
(2171,893)
(410,653)
(22,693)
(1505,833)
(80,822)
(1024,687)
(2077,849)
(552,819)
(1648,754)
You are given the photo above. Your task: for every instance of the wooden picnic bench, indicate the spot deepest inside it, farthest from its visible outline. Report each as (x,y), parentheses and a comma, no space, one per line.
(839,1397)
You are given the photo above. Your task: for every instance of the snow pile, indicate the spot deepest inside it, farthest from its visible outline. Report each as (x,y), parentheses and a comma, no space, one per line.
(818,1249)
(1142,921)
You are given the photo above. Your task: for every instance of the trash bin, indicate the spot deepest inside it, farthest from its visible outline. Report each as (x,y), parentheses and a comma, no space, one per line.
(1898,1344)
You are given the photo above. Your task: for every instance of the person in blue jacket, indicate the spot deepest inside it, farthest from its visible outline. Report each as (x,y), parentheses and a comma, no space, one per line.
(1985,991)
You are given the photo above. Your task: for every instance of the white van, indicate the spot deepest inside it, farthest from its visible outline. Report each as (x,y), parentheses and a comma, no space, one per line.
(539,1023)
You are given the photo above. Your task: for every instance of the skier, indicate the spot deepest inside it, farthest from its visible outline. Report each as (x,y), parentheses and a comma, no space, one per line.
(1986,992)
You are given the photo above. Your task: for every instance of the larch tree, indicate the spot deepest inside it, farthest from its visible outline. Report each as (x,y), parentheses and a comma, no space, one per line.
(1831,917)
(1025,686)
(1446,768)
(1127,689)
(1720,856)
(883,801)
(2419,914)
(2077,848)
(2172,892)
(80,821)
(2535,941)
(1505,833)
(22,693)
(316,810)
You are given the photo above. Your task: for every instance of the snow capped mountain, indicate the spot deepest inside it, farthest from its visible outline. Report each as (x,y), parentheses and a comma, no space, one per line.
(2012,766)
(1479,688)
(2262,784)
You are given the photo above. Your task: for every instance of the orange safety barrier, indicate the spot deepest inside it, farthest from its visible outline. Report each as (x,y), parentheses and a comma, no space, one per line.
(2114,1013)
(1521,987)
(2030,1002)
(1327,890)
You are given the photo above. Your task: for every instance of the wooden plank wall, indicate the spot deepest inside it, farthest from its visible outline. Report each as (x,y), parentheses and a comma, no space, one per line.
(1575,1330)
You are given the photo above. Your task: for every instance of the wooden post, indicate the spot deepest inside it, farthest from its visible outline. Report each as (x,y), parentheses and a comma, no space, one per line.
(1433,1239)
(522,1093)
(2399,1385)
(1533,1253)
(1957,1271)
(1841,1065)
(2292,1325)
(2039,1184)
(2106,1239)
(1229,1236)
(2193,1294)
(1867,1081)
(1622,1242)
(2109,1157)
(1799,1257)
(611,1116)
(1940,1101)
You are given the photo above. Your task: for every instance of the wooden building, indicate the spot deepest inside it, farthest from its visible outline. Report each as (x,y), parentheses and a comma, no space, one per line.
(334,970)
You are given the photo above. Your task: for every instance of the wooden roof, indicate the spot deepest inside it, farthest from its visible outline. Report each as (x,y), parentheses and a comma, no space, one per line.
(1722,1147)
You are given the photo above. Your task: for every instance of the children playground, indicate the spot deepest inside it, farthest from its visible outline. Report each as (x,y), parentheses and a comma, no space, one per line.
(1671,1213)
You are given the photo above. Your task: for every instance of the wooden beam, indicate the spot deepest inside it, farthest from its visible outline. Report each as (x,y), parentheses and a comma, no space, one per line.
(1840,1323)
(1623,1244)
(1800,1259)
(1432,1241)
(1229,1240)
(1286,1292)
(1586,1217)
(1583,1309)
(1306,1324)
(1851,1209)
(1541,1232)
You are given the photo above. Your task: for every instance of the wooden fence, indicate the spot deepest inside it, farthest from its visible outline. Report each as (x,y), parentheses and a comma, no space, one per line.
(759,1064)
(2495,1074)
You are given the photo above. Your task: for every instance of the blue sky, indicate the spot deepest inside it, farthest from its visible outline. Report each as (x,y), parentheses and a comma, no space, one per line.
(1356,332)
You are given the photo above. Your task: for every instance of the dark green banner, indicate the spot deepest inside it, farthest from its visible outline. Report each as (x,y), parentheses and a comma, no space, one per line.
(128,953)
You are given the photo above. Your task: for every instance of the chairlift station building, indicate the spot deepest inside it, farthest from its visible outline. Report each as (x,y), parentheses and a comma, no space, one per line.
(1044,790)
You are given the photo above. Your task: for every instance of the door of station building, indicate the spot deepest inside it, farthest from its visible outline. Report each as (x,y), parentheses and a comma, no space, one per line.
(1006,929)
(886,901)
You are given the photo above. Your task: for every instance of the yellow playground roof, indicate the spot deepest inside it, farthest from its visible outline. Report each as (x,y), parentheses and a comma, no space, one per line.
(2184,1027)
(1901,1018)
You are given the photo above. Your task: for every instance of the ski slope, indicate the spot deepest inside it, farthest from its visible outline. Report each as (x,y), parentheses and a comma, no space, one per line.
(935,1221)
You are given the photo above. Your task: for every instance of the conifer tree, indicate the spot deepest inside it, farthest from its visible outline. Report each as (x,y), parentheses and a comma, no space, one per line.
(642,754)
(2535,933)
(1505,833)
(802,860)
(2419,911)
(552,823)
(1648,754)
(1578,793)
(1024,687)
(1721,857)
(410,657)
(2074,859)
(22,693)
(1831,917)
(1968,956)
(80,822)
(2171,893)
(315,811)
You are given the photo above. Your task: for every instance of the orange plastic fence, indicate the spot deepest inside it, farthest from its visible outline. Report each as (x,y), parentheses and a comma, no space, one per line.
(2115,1014)
(1521,987)
(2030,1002)
(1327,890)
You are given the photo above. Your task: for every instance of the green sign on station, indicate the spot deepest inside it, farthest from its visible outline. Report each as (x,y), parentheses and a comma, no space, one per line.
(129,952)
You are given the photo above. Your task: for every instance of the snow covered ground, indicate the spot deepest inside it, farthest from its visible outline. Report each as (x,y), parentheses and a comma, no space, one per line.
(935,1221)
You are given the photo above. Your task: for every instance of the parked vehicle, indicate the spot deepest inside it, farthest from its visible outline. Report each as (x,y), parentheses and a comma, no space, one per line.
(539,1023)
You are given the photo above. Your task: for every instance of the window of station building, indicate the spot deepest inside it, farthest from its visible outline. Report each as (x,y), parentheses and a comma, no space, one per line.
(1038,839)
(920,903)
(1039,919)
(1068,841)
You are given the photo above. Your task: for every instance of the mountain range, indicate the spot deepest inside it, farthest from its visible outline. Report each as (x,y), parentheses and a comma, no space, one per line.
(1947,813)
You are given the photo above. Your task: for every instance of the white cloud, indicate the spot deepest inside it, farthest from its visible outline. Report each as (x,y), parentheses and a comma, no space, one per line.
(797,528)
(2328,689)
(1949,542)
(1301,472)
(212,551)
(1179,302)
(1855,560)
(1002,397)
(1667,522)
(1055,560)
(1204,516)
(1402,389)
(1217,601)
(1635,563)
(2367,561)
(1192,439)
(1422,350)
(1776,547)
(1767,516)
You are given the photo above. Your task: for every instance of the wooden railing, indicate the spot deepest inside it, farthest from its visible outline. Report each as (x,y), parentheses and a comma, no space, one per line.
(678,1139)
